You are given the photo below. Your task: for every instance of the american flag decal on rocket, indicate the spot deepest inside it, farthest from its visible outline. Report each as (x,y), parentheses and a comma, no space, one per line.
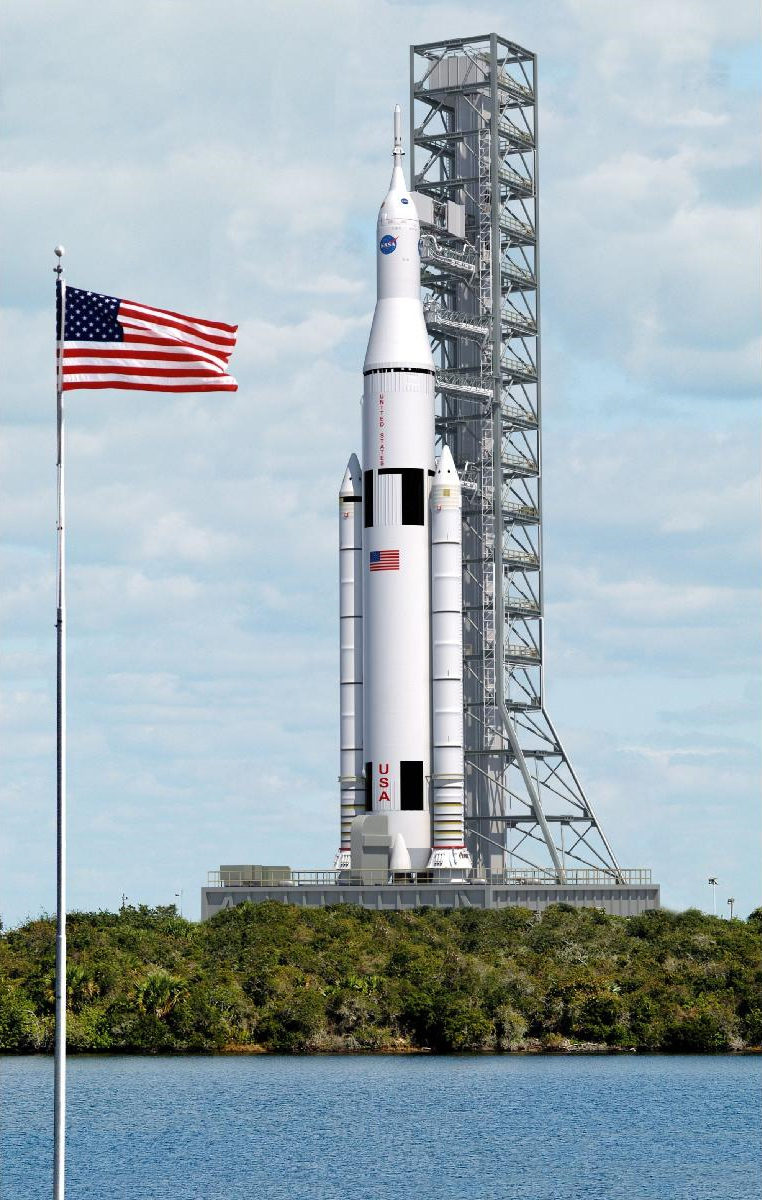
(384,560)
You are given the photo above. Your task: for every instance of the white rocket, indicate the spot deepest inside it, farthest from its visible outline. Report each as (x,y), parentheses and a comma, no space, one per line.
(402,800)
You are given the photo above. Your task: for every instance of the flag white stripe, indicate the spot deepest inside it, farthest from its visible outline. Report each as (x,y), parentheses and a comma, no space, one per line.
(145,377)
(173,328)
(72,362)
(138,310)
(168,324)
(155,317)
(89,351)
(113,366)
(180,335)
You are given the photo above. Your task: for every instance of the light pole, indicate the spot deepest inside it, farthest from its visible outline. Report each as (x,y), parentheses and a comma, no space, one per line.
(731,902)
(179,896)
(713,885)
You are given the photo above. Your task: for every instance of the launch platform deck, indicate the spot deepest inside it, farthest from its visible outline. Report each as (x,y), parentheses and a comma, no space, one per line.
(633,894)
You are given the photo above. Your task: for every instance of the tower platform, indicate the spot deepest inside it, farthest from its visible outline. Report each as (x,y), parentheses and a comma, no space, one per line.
(632,893)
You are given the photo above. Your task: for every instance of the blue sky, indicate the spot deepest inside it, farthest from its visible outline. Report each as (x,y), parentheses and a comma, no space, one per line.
(228,160)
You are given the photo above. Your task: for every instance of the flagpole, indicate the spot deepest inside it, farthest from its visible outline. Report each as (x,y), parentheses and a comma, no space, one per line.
(59,1093)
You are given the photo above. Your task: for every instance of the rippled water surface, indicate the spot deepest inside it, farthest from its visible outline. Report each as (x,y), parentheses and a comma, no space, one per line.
(372,1128)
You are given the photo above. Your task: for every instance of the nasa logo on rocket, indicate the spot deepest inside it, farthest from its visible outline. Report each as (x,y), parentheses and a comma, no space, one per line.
(388,244)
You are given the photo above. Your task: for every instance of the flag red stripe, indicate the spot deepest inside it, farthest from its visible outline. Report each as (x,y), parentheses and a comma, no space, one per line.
(139,321)
(221,386)
(146,339)
(179,355)
(120,365)
(138,352)
(140,333)
(144,372)
(167,312)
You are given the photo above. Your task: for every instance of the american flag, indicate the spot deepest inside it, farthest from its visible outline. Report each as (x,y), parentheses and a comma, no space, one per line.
(112,343)
(384,560)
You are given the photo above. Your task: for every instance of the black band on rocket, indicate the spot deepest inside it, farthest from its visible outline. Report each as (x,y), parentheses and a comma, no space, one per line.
(400,370)
(411,786)
(413,494)
(367,500)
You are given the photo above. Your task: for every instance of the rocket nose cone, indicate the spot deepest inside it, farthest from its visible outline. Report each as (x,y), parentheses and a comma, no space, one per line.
(446,466)
(351,484)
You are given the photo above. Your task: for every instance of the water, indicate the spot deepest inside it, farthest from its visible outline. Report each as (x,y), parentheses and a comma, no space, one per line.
(372,1128)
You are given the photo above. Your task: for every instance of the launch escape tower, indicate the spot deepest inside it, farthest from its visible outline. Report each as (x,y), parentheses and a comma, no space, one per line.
(473,173)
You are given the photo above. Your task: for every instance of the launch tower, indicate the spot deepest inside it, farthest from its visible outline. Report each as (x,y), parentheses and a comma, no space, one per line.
(474,176)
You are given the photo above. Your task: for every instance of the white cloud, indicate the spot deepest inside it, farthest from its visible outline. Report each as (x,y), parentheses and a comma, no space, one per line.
(174,535)
(265,342)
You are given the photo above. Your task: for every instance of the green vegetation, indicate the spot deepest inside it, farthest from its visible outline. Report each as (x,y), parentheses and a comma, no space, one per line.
(279,978)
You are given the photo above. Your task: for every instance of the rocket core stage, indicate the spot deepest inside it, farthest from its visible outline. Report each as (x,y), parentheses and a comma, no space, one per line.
(401,594)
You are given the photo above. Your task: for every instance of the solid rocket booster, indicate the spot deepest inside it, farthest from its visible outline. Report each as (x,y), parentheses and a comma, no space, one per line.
(448,797)
(351,779)
(386,587)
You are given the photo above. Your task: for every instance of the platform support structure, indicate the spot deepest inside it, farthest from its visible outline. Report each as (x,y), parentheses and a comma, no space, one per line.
(473,169)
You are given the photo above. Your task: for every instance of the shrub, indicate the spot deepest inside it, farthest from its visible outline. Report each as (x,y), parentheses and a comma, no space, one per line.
(702,1033)
(510,1027)
(460,1025)
(293,1026)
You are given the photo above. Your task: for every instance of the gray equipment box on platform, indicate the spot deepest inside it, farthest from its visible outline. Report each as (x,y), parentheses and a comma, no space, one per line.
(253,876)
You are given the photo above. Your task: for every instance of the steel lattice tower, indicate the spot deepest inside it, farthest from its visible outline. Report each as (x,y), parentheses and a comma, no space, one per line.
(473,138)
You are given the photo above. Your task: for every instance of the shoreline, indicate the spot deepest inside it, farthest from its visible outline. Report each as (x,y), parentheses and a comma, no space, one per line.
(237,1051)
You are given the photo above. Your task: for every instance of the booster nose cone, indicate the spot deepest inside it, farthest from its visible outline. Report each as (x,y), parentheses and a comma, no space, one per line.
(445,486)
(446,467)
(351,484)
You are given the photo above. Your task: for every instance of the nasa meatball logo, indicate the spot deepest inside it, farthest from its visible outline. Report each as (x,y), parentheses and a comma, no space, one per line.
(388,244)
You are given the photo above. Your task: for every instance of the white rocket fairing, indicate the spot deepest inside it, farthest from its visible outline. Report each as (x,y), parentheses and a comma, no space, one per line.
(386,587)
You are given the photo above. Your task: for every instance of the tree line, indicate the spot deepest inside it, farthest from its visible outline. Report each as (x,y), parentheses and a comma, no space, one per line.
(278,978)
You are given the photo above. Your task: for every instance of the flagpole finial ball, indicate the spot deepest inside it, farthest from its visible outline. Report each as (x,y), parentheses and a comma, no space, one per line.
(60,251)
